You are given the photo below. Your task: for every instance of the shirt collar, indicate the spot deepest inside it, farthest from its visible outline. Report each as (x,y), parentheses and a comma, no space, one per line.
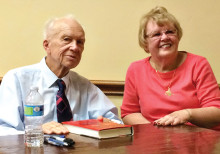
(49,76)
(66,80)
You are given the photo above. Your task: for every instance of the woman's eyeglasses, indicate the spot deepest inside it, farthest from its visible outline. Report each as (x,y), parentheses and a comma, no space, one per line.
(158,35)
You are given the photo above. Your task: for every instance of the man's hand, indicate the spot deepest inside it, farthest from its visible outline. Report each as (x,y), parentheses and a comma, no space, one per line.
(54,128)
(102,119)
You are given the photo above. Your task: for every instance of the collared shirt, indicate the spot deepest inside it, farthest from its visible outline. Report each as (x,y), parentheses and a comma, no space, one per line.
(86,100)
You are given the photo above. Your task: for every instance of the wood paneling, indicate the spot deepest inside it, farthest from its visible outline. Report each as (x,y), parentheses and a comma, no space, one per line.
(109,87)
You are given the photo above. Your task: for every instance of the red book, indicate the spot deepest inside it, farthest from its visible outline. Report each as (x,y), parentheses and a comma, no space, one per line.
(97,129)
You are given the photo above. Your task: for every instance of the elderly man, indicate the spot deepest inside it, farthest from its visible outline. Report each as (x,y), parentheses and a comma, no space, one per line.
(64,40)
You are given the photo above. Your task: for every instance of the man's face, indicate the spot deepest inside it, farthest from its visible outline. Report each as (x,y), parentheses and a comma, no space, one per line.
(65,44)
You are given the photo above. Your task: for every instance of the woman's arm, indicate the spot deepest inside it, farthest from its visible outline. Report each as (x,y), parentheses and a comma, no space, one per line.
(135,118)
(204,117)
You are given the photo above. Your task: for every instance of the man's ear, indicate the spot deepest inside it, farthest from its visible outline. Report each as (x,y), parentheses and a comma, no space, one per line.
(46,46)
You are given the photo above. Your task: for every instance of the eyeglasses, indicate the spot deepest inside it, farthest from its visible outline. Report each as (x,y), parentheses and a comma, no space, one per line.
(157,35)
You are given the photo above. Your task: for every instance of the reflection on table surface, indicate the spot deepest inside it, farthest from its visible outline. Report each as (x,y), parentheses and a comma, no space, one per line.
(147,138)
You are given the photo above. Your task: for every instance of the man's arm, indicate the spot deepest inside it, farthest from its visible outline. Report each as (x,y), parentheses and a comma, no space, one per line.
(11,111)
(100,105)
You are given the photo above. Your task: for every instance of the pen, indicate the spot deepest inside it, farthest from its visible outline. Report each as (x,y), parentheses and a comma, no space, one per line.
(69,141)
(59,140)
(53,141)
(54,135)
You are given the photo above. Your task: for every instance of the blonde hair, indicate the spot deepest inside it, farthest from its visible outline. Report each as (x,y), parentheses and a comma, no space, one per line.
(161,16)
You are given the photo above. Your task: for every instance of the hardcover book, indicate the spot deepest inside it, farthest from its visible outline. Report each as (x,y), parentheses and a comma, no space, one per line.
(97,129)
(102,143)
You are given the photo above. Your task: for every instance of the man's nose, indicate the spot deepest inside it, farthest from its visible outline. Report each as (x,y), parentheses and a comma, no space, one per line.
(73,45)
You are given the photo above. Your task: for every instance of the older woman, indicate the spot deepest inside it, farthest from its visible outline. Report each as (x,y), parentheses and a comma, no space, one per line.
(170,87)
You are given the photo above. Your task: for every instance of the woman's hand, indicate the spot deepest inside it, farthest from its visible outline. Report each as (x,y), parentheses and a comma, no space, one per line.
(54,128)
(175,118)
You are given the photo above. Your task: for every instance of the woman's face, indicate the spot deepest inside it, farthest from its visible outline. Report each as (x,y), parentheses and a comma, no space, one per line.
(162,41)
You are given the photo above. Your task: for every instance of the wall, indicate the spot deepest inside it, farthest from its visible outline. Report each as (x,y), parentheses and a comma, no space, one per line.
(111,32)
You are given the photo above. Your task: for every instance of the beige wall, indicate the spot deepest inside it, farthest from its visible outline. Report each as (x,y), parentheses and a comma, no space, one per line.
(111,32)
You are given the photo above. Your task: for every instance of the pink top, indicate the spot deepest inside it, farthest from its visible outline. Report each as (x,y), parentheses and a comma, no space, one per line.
(193,86)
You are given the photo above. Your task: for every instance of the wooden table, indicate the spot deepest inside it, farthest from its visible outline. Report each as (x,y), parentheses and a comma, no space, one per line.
(147,139)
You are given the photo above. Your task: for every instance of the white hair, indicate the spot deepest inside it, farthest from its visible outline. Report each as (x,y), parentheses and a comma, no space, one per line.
(50,24)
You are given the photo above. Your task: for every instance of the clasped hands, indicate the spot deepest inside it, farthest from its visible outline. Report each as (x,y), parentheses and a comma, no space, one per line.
(57,128)
(175,118)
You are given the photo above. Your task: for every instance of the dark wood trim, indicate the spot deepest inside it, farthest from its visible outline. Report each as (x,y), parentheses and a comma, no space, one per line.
(109,87)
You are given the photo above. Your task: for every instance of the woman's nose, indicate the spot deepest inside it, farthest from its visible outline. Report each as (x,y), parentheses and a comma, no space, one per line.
(164,36)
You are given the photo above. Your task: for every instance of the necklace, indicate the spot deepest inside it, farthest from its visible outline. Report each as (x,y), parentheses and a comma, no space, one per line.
(168,92)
